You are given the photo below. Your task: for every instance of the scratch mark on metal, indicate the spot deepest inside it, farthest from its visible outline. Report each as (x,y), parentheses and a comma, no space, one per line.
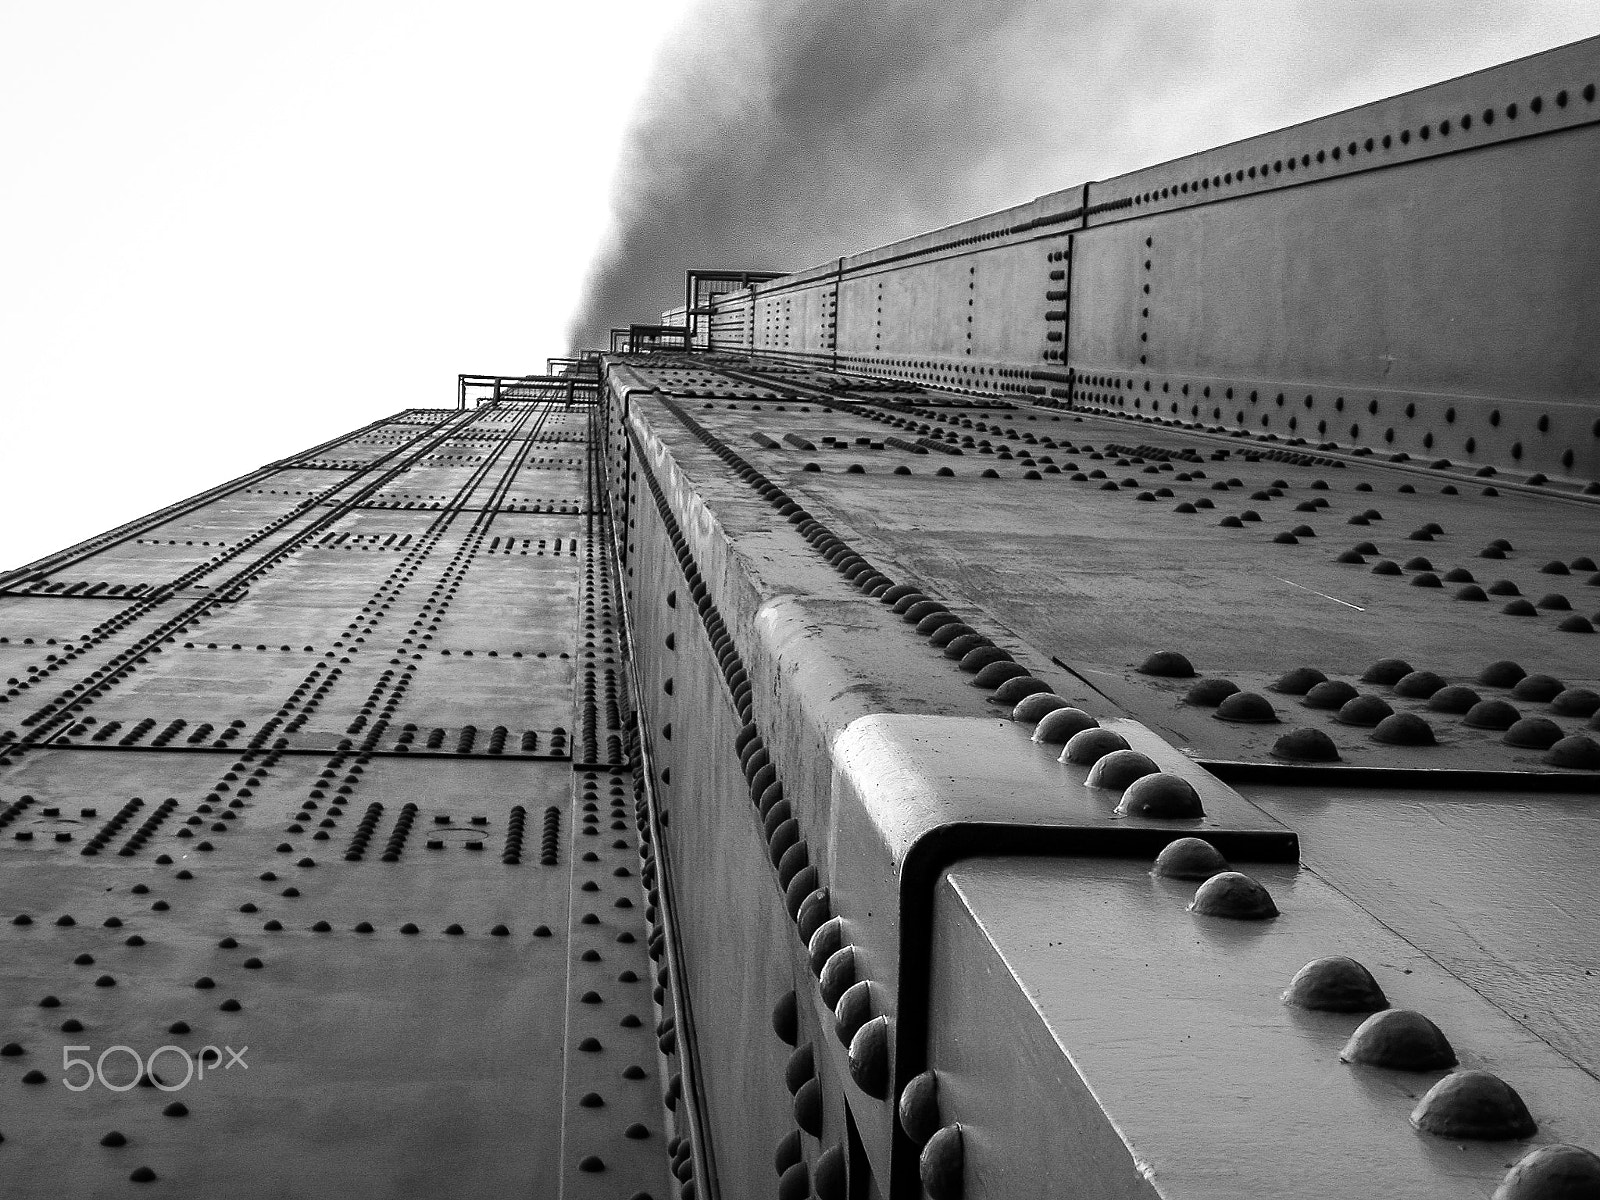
(1314,592)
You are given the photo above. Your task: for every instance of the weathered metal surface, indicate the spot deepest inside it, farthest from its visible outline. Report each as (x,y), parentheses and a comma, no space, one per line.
(1157,1041)
(649,795)
(339,776)
(830,772)
(1413,274)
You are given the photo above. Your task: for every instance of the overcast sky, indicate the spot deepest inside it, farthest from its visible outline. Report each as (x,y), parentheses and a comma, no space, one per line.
(232,229)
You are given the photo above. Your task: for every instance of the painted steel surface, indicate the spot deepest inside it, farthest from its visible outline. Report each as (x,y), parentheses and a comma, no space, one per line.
(1414,275)
(327,769)
(950,710)
(843,588)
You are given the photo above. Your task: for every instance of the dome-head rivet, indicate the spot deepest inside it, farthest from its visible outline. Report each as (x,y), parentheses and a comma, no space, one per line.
(869,1058)
(1335,984)
(943,1164)
(1401,1040)
(1189,858)
(919,1108)
(1558,1172)
(1234,895)
(1476,1105)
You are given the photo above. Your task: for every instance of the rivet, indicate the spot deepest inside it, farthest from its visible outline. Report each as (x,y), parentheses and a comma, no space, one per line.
(853,1011)
(1475,1105)
(943,1164)
(1533,733)
(813,911)
(951,631)
(1015,689)
(919,1108)
(1491,714)
(1557,1172)
(869,1057)
(1404,729)
(1577,752)
(795,1183)
(1058,726)
(979,657)
(800,888)
(1167,664)
(1234,895)
(1116,770)
(1364,710)
(784,836)
(808,1107)
(1455,698)
(1503,674)
(1418,685)
(1387,672)
(1306,744)
(837,974)
(824,943)
(830,1180)
(802,1065)
(1208,693)
(1163,796)
(795,859)
(1089,746)
(1246,708)
(1538,689)
(1298,681)
(1188,858)
(1401,1040)
(1335,984)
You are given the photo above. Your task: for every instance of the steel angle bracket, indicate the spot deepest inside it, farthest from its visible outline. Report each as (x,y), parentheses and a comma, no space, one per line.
(914,795)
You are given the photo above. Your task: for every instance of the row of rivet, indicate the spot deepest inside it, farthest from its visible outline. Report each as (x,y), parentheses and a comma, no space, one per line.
(99,681)
(828,1180)
(1467,1104)
(993,668)
(806,897)
(1351,707)
(680,1147)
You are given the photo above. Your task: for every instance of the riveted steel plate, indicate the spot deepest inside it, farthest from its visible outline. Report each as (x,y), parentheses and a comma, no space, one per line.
(310,799)
(1188,1074)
